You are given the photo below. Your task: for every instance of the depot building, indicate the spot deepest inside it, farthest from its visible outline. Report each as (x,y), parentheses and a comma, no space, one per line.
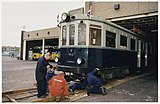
(139,17)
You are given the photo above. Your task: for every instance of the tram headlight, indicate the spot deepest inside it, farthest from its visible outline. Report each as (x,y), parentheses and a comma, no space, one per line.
(65,17)
(56,59)
(80,61)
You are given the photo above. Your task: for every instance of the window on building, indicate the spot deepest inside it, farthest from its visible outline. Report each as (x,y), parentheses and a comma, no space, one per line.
(28,35)
(48,32)
(64,35)
(81,34)
(71,34)
(37,34)
(95,37)
(110,39)
(133,44)
(123,41)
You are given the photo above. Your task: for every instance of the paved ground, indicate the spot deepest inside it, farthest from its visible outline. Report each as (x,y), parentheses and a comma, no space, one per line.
(18,74)
(144,89)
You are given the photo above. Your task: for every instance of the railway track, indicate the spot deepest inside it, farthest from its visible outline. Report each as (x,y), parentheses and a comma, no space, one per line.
(29,95)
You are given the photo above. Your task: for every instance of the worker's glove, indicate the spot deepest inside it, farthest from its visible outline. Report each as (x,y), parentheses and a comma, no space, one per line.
(48,67)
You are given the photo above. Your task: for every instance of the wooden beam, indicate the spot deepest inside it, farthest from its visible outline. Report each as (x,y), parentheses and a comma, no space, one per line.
(11,99)
(18,91)
(48,99)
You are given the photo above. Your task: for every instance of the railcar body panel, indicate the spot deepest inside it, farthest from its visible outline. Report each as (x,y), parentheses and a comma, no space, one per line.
(96,58)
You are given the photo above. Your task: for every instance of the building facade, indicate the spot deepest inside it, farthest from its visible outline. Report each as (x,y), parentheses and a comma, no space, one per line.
(140,17)
(111,10)
(41,38)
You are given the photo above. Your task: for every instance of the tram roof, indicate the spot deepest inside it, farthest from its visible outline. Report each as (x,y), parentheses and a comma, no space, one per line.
(98,19)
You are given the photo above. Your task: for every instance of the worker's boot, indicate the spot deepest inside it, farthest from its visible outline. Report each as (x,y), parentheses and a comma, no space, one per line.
(104,91)
(71,92)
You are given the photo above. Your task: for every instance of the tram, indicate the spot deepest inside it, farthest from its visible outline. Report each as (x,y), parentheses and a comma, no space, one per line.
(91,42)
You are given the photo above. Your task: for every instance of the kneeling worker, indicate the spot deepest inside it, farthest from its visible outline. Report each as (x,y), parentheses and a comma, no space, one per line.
(80,85)
(50,74)
(58,86)
(94,84)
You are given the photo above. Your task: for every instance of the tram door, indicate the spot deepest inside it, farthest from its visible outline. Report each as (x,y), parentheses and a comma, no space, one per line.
(139,54)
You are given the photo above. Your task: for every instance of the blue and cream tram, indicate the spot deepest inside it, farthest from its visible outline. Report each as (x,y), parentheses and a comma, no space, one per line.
(89,42)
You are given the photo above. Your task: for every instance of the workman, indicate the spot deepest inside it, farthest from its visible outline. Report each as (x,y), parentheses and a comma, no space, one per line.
(79,84)
(94,84)
(40,73)
(58,86)
(50,74)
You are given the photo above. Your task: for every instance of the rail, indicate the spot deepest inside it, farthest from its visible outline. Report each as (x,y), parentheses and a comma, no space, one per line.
(29,95)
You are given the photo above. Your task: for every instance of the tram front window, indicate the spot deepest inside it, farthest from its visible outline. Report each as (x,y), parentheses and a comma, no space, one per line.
(81,34)
(95,37)
(71,34)
(64,35)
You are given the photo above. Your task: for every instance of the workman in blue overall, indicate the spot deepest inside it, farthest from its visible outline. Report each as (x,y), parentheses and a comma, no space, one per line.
(40,73)
(79,85)
(50,74)
(94,84)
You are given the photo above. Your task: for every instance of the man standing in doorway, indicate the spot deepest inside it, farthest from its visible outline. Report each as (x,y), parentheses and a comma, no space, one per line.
(41,69)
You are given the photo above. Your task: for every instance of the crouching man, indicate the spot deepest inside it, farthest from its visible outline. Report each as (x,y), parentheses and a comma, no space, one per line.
(78,85)
(94,84)
(58,87)
(50,74)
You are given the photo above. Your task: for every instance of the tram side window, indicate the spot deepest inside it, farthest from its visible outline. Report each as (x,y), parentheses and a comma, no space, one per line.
(81,34)
(71,34)
(64,35)
(123,42)
(95,37)
(110,39)
(132,44)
